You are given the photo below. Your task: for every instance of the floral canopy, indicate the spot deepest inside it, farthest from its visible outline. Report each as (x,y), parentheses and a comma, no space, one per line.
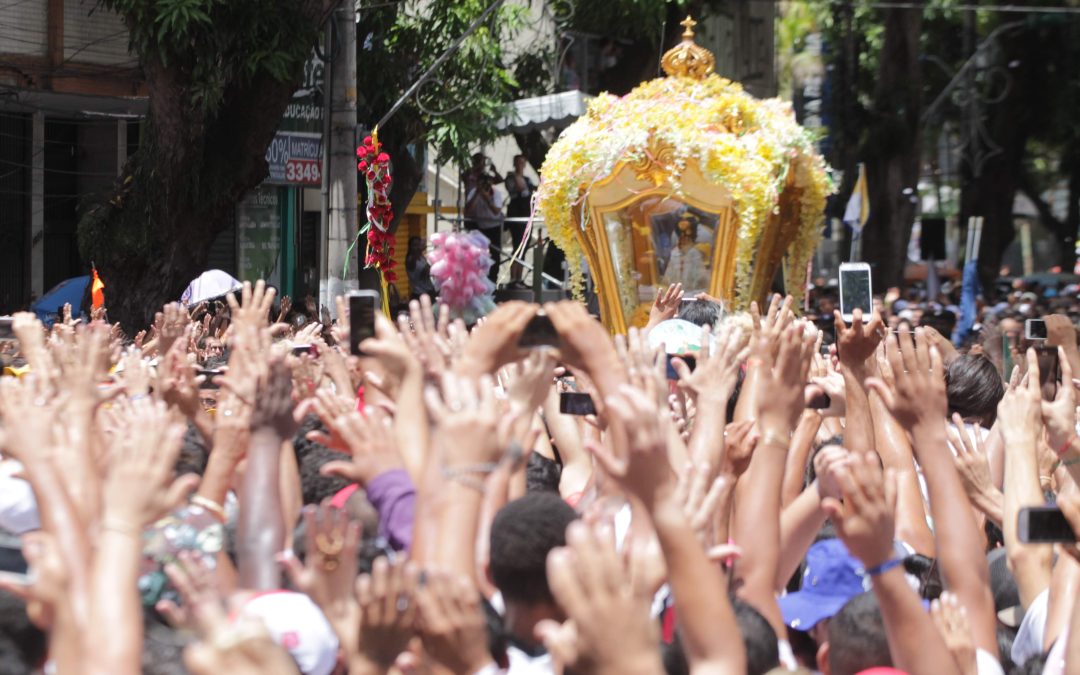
(685,179)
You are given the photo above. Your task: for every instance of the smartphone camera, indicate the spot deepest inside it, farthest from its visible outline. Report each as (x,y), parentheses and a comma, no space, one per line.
(1035,329)
(673,374)
(362,306)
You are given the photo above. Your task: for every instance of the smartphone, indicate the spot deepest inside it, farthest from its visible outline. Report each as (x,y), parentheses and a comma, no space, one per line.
(819,401)
(1007,363)
(1049,366)
(303,349)
(13,565)
(1035,329)
(855,291)
(1043,525)
(209,382)
(575,403)
(673,374)
(539,332)
(362,306)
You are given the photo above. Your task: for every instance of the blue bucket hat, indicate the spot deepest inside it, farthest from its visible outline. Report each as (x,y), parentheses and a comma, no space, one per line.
(831,578)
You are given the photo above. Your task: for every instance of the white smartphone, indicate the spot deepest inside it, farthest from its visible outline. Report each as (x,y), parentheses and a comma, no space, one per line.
(1035,329)
(855,291)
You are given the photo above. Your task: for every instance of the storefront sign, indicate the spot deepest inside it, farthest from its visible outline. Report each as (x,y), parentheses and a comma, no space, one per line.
(295,154)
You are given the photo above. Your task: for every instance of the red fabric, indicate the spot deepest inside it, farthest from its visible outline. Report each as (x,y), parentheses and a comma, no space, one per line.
(342,496)
(669,625)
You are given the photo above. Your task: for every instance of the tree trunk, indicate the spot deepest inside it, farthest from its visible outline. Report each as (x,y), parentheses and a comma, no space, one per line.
(991,193)
(891,151)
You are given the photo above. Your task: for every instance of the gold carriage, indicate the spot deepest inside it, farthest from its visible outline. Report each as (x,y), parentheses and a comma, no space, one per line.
(687,179)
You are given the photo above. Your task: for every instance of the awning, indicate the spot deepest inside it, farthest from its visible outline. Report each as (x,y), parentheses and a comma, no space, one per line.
(544,112)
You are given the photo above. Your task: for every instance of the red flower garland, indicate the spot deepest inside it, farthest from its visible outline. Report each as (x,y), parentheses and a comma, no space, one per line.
(375,165)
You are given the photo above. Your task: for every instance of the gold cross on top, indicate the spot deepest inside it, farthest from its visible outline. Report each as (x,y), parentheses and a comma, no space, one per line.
(688,23)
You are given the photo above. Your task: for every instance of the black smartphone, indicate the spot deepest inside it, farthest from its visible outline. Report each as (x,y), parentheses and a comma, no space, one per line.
(574,403)
(819,401)
(1035,329)
(539,332)
(673,374)
(1043,525)
(362,306)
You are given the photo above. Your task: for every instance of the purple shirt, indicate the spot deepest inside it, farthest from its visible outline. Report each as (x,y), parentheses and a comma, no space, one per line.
(394,498)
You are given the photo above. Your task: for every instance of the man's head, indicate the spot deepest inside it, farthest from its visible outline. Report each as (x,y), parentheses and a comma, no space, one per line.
(520,162)
(522,534)
(479,159)
(974,389)
(857,639)
(701,312)
(762,647)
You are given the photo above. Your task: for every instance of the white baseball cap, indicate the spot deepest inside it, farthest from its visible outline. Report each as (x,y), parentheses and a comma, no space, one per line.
(297,624)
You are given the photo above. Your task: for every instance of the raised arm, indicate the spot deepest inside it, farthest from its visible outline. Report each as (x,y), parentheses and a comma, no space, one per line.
(917,400)
(855,347)
(640,464)
(865,521)
(781,401)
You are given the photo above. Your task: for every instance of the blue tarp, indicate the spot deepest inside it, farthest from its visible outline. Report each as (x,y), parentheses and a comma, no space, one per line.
(68,292)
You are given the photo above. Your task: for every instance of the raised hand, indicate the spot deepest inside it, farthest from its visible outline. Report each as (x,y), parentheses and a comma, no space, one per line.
(781,400)
(466,418)
(451,622)
(139,485)
(1059,415)
(583,342)
(741,438)
(1020,412)
(389,603)
(608,630)
(917,393)
(666,304)
(331,541)
(253,309)
(700,498)
(717,371)
(638,459)
(865,519)
(243,646)
(856,343)
(951,620)
(273,407)
(766,334)
(369,438)
(494,343)
(973,465)
(169,325)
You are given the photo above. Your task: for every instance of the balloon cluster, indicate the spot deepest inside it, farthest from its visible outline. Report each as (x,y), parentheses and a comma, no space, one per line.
(459,268)
(375,165)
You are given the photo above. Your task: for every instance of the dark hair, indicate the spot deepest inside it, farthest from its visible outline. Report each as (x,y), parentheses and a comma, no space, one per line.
(193,453)
(310,456)
(974,388)
(22,644)
(542,474)
(857,639)
(522,534)
(762,647)
(701,312)
(163,650)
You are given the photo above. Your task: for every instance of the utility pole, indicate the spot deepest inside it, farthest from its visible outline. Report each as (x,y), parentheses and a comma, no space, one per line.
(339,178)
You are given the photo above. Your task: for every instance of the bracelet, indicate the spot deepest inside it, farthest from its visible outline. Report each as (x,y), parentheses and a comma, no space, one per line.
(466,480)
(210,505)
(1066,445)
(120,527)
(770,437)
(884,567)
(486,467)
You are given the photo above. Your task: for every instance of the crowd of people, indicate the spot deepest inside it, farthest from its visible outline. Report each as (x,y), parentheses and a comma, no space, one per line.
(233,491)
